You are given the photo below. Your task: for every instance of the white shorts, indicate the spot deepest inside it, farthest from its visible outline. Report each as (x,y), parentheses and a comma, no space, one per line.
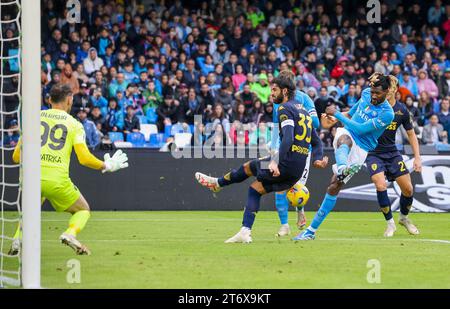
(357,155)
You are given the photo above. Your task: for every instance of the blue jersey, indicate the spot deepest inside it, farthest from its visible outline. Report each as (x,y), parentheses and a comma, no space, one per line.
(379,116)
(307,103)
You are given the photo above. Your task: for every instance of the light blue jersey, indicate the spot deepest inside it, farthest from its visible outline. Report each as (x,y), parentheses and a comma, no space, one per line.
(375,117)
(308,105)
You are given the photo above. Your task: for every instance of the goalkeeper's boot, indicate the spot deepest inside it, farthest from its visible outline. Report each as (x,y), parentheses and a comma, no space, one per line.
(305,235)
(73,243)
(208,182)
(15,247)
(390,229)
(410,227)
(301,218)
(284,230)
(243,236)
(346,173)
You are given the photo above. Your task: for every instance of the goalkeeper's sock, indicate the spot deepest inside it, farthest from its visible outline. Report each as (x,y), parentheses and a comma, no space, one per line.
(77,222)
(405,205)
(282,206)
(235,176)
(327,205)
(341,155)
(18,233)
(385,204)
(254,198)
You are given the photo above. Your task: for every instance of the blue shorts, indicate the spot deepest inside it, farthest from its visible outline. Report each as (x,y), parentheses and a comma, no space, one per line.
(389,163)
(270,183)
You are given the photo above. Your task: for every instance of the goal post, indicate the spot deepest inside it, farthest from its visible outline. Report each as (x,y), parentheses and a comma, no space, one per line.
(31,143)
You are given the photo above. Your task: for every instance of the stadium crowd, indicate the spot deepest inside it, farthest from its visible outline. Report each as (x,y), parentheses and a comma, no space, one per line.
(141,61)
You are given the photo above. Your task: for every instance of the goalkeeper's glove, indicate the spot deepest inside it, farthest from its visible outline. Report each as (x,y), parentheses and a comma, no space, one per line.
(118,161)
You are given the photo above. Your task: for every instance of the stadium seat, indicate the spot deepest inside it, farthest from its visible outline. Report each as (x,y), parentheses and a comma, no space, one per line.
(136,138)
(156,140)
(183,139)
(151,115)
(142,120)
(116,136)
(148,129)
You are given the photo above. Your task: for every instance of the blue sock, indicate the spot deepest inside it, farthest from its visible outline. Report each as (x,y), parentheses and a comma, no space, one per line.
(405,204)
(385,204)
(252,208)
(235,176)
(282,206)
(327,205)
(341,155)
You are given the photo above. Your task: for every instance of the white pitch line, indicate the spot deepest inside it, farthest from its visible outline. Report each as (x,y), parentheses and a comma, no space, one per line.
(263,239)
(210,219)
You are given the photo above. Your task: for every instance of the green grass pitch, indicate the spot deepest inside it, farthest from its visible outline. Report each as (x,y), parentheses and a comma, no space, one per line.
(185,250)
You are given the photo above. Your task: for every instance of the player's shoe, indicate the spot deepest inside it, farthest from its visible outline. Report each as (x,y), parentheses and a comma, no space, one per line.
(284,230)
(15,247)
(73,243)
(410,227)
(305,235)
(208,182)
(348,173)
(390,229)
(243,236)
(301,219)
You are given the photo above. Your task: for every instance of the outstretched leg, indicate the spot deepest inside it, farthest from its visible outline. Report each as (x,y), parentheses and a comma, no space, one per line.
(235,176)
(406,200)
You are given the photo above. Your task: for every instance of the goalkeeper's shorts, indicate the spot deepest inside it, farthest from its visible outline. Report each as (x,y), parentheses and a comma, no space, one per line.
(61,194)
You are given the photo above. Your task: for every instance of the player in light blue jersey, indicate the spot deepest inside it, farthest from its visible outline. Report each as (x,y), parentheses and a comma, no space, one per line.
(281,202)
(363,125)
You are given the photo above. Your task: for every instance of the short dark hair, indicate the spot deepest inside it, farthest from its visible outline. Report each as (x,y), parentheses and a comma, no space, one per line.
(60,92)
(383,82)
(285,82)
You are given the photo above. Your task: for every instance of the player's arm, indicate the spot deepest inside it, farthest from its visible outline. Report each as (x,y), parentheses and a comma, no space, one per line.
(275,131)
(319,160)
(408,124)
(16,153)
(363,128)
(86,158)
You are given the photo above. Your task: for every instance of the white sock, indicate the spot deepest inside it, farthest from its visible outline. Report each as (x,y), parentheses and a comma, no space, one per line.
(402,216)
(312,229)
(391,221)
(244,228)
(285,225)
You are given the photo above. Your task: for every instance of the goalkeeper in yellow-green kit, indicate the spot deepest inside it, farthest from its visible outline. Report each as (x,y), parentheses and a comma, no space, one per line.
(60,132)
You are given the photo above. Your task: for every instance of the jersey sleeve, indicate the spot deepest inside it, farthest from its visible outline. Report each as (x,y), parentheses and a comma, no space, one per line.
(285,117)
(78,135)
(354,108)
(308,105)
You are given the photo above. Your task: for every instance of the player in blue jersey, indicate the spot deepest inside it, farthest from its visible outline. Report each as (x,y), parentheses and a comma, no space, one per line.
(385,161)
(284,168)
(363,125)
(281,202)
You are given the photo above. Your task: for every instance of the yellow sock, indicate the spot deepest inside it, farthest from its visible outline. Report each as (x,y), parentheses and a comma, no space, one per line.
(18,233)
(78,221)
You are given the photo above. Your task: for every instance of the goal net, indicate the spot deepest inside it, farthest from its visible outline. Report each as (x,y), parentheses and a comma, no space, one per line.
(10,122)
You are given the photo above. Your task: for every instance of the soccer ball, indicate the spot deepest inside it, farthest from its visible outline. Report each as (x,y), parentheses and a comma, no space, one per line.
(298,195)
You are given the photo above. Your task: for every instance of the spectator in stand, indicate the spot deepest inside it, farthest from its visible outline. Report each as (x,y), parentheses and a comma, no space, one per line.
(262,88)
(12,135)
(131,122)
(444,115)
(81,100)
(413,110)
(99,120)
(152,98)
(238,78)
(404,47)
(246,96)
(425,84)
(434,133)
(118,84)
(409,84)
(90,129)
(113,117)
(444,85)
(93,62)
(168,112)
(219,118)
(67,77)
